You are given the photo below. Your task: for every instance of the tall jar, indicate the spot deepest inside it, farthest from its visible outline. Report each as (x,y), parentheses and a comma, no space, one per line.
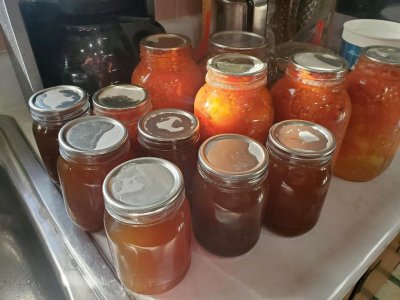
(235,98)
(171,134)
(299,175)
(314,89)
(51,108)
(229,194)
(167,71)
(90,148)
(373,136)
(148,225)
(125,103)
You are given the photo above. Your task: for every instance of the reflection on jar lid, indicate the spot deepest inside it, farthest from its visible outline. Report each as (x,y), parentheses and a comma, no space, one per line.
(382,54)
(235,64)
(302,139)
(238,40)
(319,63)
(59,103)
(143,190)
(119,97)
(168,124)
(165,41)
(233,156)
(91,136)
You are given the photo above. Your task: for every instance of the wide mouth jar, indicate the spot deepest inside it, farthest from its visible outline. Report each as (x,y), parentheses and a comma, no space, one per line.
(163,44)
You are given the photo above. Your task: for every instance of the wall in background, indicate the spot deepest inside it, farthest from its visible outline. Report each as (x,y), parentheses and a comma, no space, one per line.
(171,9)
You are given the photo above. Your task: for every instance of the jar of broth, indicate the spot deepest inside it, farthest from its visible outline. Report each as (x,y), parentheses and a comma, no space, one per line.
(51,108)
(229,193)
(172,134)
(148,224)
(90,148)
(299,175)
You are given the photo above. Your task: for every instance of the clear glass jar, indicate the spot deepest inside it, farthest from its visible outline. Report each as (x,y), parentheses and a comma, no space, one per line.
(90,148)
(314,89)
(168,72)
(148,224)
(229,194)
(373,135)
(125,103)
(235,98)
(171,134)
(299,175)
(51,108)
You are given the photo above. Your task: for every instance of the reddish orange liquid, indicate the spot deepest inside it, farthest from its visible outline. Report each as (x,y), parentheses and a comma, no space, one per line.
(226,223)
(151,259)
(296,196)
(81,185)
(373,135)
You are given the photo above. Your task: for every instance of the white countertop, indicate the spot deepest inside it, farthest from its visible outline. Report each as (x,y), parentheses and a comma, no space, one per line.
(357,222)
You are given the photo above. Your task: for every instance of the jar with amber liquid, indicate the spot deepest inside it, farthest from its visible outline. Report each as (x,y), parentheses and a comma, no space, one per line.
(314,89)
(168,72)
(148,225)
(300,170)
(235,98)
(229,193)
(90,148)
(373,135)
(50,109)
(126,103)
(172,134)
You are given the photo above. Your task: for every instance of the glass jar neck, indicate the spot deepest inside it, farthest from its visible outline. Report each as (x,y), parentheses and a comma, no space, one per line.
(128,115)
(231,82)
(316,79)
(381,71)
(166,58)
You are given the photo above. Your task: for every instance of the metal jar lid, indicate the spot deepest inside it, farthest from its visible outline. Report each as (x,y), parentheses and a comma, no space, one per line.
(233,158)
(143,190)
(301,140)
(59,103)
(322,63)
(169,125)
(382,54)
(119,97)
(238,40)
(165,42)
(234,64)
(91,136)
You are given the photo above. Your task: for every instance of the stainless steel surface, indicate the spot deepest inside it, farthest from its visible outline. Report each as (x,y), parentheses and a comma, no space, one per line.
(165,42)
(317,62)
(120,97)
(260,14)
(233,64)
(80,272)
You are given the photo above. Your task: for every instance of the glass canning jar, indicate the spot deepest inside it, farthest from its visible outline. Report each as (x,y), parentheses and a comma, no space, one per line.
(235,98)
(314,89)
(51,108)
(126,103)
(299,175)
(148,224)
(229,193)
(90,148)
(171,134)
(168,72)
(373,135)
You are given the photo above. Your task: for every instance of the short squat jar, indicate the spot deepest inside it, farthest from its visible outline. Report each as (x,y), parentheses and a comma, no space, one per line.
(148,224)
(299,175)
(172,134)
(235,98)
(229,193)
(90,148)
(50,109)
(126,103)
(167,71)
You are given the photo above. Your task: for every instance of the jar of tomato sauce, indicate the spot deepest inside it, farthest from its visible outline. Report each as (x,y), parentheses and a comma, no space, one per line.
(167,71)
(172,134)
(229,193)
(148,224)
(373,136)
(235,98)
(51,108)
(300,170)
(90,148)
(125,103)
(314,89)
